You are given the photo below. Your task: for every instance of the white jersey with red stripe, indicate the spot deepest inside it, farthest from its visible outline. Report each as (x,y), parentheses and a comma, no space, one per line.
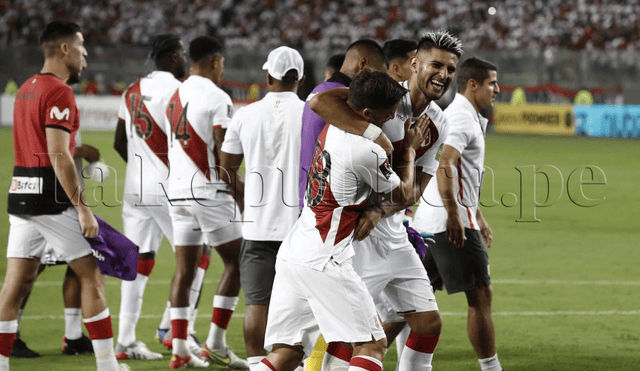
(195,110)
(142,107)
(467,130)
(345,170)
(390,228)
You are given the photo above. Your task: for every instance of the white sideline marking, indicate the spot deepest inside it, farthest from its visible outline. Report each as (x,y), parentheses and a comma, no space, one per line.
(117,282)
(452,314)
(564,282)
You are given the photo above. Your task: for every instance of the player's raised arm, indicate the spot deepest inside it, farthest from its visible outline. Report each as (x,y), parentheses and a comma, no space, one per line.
(332,106)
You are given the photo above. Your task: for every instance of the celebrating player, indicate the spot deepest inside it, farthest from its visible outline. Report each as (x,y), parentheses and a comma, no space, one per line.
(459,256)
(202,210)
(46,201)
(399,53)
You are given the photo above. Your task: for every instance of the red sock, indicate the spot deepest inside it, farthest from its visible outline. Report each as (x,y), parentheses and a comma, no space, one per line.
(204,261)
(268,364)
(340,351)
(145,266)
(366,363)
(221,317)
(424,343)
(179,328)
(100,329)
(6,343)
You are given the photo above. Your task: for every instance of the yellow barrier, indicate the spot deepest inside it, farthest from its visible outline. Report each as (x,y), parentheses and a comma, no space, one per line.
(534,118)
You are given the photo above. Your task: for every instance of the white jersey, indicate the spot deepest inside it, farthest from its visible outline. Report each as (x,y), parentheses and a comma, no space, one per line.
(267,132)
(390,227)
(345,170)
(196,109)
(466,134)
(142,108)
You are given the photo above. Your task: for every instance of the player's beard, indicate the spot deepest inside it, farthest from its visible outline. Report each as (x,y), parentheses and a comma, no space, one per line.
(74,78)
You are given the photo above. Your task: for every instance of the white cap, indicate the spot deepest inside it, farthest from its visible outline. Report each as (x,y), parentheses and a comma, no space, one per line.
(283,59)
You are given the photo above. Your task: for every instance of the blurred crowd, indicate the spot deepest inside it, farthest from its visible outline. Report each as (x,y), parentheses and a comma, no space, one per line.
(319,25)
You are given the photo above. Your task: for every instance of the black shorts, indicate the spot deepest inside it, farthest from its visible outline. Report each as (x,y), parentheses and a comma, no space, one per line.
(458,268)
(257,270)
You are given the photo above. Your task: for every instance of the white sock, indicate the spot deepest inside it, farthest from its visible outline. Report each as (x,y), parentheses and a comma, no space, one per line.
(179,345)
(196,287)
(254,361)
(490,364)
(165,322)
(414,360)
(332,363)
(131,293)
(373,364)
(103,348)
(401,339)
(217,335)
(4,363)
(261,367)
(8,329)
(72,323)
(192,320)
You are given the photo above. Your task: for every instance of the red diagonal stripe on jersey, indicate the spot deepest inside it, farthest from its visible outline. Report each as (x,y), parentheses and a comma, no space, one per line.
(144,125)
(192,144)
(348,220)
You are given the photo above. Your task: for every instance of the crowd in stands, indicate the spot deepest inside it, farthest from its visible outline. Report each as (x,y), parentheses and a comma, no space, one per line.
(319,25)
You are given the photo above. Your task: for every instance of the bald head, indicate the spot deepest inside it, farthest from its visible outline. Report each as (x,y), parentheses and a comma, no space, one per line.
(364,53)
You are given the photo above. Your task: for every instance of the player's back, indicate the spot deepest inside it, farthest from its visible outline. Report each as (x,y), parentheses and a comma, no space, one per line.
(344,171)
(142,108)
(269,134)
(195,110)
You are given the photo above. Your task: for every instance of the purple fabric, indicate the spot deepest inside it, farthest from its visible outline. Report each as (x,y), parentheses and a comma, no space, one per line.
(416,240)
(116,255)
(312,125)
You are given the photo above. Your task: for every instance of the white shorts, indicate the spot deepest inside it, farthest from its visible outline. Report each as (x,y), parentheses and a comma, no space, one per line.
(145,225)
(29,235)
(196,224)
(385,309)
(333,301)
(395,269)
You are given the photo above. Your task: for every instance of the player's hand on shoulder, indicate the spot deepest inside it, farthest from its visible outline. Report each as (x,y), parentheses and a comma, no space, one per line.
(88,222)
(367,221)
(414,135)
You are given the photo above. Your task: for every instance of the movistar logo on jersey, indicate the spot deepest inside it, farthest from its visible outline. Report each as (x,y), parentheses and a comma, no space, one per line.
(55,112)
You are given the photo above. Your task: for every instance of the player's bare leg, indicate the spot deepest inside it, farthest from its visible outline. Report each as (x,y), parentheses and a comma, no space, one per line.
(480,326)
(392,329)
(74,341)
(187,258)
(20,348)
(96,316)
(421,342)
(255,325)
(368,356)
(282,358)
(224,304)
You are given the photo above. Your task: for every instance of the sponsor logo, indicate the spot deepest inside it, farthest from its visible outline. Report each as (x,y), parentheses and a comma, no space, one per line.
(26,185)
(97,255)
(385,169)
(59,115)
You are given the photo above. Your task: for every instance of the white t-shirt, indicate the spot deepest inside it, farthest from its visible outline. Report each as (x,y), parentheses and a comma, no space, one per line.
(267,132)
(194,111)
(345,170)
(467,129)
(390,227)
(142,107)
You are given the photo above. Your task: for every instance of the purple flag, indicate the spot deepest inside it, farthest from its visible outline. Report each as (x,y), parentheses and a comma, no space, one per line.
(416,240)
(116,255)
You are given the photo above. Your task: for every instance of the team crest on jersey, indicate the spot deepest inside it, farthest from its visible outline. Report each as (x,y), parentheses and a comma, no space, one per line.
(59,115)
(385,169)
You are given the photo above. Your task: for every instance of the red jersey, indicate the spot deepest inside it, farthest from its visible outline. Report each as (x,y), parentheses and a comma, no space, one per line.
(44,100)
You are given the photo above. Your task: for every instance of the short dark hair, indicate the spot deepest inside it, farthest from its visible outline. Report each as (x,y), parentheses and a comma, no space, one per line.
(442,40)
(376,90)
(398,48)
(335,62)
(163,46)
(56,30)
(473,69)
(372,47)
(204,46)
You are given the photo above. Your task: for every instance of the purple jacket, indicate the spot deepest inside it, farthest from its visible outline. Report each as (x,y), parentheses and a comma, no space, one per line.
(312,125)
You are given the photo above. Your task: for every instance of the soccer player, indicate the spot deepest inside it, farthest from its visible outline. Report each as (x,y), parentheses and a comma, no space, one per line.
(361,54)
(202,210)
(399,53)
(267,135)
(46,201)
(315,285)
(459,256)
(333,65)
(386,260)
(141,140)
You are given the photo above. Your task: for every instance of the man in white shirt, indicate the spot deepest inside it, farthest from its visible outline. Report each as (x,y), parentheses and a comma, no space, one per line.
(450,207)
(267,135)
(202,211)
(141,141)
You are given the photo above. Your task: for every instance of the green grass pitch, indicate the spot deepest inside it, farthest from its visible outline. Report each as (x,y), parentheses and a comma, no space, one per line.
(566,288)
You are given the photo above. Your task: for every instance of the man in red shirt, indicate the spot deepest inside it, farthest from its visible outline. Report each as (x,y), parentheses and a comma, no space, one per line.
(46,201)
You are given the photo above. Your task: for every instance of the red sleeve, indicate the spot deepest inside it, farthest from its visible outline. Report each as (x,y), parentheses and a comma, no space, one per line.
(60,109)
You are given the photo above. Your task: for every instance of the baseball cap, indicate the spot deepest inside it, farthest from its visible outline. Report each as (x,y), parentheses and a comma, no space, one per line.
(283,59)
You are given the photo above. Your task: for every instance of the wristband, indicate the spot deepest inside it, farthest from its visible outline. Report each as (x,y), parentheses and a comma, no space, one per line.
(372,132)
